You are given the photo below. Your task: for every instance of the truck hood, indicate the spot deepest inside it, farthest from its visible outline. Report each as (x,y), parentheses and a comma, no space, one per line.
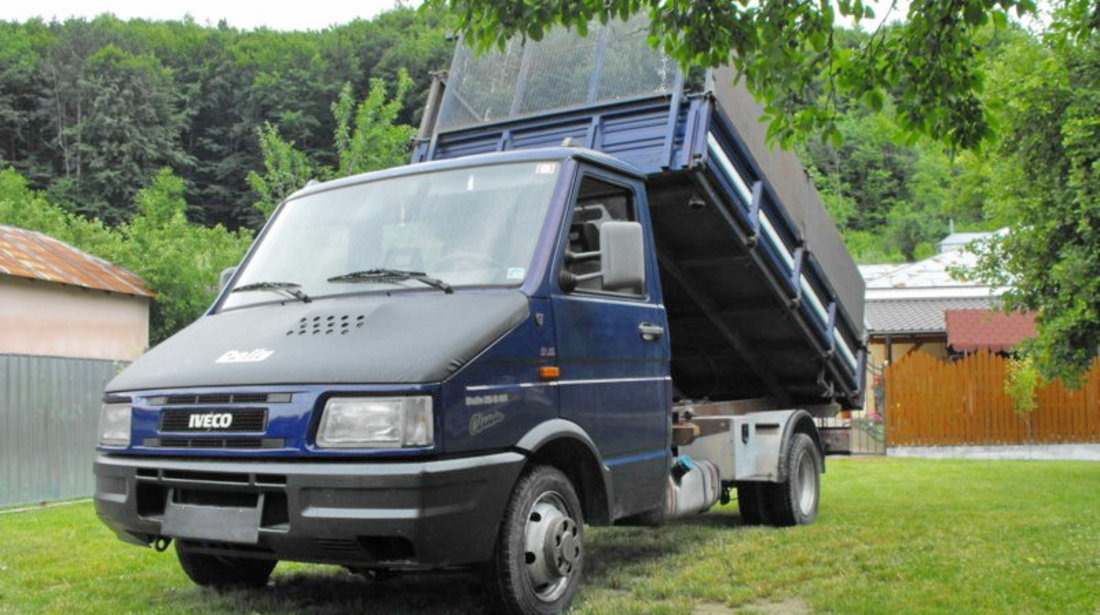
(364,339)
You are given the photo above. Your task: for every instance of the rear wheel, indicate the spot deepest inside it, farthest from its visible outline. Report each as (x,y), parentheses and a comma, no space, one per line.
(536,566)
(795,500)
(224,571)
(751,501)
(791,502)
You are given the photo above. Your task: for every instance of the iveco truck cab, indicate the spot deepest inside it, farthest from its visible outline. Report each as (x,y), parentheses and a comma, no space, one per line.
(622,309)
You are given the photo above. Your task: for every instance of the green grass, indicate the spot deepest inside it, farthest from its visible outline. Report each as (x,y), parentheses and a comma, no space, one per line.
(893,536)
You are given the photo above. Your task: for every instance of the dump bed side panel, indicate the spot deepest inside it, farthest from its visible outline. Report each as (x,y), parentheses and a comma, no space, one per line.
(811,346)
(794,189)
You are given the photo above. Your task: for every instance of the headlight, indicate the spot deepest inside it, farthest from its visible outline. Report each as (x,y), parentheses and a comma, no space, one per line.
(376,422)
(114,425)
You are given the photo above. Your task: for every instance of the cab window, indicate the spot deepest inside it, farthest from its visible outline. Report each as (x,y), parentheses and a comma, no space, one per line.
(597,202)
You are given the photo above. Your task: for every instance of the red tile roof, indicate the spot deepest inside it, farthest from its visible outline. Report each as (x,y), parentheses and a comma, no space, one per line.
(30,254)
(972,330)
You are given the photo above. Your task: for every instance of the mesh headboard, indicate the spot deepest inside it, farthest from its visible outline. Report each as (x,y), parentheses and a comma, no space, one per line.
(561,71)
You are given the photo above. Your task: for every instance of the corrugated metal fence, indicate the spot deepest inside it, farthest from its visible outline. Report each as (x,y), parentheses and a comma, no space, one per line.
(935,403)
(49,408)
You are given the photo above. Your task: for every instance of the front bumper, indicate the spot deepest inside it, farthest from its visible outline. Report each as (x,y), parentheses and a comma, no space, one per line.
(403,515)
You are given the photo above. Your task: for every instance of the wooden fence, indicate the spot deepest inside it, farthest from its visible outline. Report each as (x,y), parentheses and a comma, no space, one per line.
(935,403)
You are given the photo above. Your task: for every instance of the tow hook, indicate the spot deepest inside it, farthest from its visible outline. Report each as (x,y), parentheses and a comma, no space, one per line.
(161,543)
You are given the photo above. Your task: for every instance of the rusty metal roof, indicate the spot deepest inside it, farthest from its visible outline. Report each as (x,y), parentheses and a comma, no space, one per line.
(35,256)
(973,330)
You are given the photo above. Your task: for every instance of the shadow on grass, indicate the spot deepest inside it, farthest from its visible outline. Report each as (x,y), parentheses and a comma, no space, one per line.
(612,554)
(332,591)
(616,551)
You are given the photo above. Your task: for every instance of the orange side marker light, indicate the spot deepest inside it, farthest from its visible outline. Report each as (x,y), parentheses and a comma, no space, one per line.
(549,372)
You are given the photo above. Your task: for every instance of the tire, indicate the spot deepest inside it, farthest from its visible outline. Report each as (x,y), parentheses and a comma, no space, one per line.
(751,502)
(224,571)
(795,501)
(539,555)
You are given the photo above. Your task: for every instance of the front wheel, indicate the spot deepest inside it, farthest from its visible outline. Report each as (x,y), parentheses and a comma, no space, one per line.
(536,566)
(224,571)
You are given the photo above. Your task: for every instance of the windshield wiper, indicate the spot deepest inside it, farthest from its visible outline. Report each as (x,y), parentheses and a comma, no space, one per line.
(392,275)
(288,288)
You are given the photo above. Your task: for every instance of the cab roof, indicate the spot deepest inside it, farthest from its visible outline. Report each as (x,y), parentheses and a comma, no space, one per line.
(478,160)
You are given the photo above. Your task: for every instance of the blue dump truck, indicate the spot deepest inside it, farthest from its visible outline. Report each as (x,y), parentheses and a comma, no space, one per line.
(595,297)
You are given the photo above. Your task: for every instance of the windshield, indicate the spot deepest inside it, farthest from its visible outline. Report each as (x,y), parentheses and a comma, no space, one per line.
(466,227)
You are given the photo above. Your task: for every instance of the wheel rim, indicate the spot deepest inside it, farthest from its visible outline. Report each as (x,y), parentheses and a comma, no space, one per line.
(553,547)
(807,484)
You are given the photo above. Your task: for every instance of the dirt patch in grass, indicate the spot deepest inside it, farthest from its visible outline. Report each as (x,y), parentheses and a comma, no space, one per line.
(790,606)
(712,608)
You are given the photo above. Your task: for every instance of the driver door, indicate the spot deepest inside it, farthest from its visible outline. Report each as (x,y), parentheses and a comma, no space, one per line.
(613,348)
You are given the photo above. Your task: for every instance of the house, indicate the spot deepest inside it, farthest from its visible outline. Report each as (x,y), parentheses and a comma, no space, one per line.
(906,304)
(939,359)
(68,322)
(906,311)
(58,301)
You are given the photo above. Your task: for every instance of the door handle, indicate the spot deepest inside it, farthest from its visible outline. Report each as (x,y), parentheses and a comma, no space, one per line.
(650,331)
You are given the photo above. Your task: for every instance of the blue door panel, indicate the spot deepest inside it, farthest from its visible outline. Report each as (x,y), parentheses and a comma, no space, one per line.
(615,385)
(614,382)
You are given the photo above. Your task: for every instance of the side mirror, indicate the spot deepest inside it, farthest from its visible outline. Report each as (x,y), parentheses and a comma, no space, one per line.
(622,256)
(226,276)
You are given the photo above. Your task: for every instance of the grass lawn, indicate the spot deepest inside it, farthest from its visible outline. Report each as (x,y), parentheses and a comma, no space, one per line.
(893,536)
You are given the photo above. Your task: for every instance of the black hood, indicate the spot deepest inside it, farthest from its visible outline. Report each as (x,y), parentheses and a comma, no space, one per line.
(365,339)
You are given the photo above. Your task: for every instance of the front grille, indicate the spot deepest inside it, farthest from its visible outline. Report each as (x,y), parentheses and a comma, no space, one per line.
(243,420)
(215,443)
(220,398)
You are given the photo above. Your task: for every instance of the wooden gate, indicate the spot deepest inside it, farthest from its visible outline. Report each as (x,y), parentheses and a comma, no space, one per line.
(935,403)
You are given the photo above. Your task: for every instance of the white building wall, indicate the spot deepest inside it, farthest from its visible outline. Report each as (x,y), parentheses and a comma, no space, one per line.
(49,319)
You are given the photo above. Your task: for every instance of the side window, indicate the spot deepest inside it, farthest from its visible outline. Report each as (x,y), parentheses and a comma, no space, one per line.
(597,202)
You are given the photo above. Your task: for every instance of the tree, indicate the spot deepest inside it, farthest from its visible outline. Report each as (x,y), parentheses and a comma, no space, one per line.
(789,55)
(286,169)
(181,261)
(24,207)
(367,135)
(888,197)
(1045,183)
(92,108)
(21,88)
(1022,387)
(131,127)
(366,138)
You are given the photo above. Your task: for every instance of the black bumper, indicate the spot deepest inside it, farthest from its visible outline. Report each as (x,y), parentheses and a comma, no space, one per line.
(403,515)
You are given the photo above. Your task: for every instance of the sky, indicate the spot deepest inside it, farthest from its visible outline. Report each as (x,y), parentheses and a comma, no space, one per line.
(275,14)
